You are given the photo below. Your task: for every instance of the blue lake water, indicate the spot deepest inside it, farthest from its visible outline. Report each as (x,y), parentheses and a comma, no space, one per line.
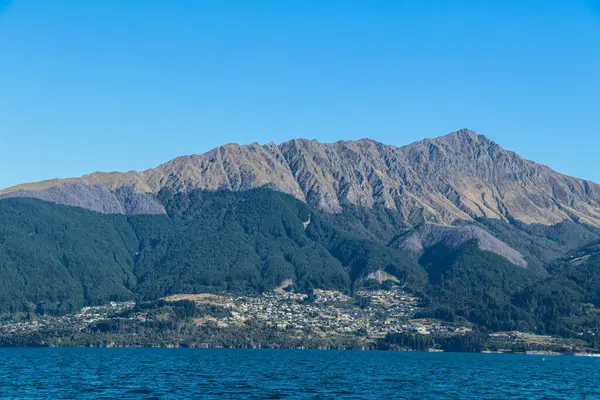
(290,374)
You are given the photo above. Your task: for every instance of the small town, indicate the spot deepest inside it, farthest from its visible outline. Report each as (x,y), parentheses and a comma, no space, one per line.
(371,314)
(23,324)
(325,311)
(327,315)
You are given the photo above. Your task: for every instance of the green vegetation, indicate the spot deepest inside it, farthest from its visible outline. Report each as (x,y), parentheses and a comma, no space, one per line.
(541,244)
(377,224)
(472,342)
(474,284)
(568,303)
(56,259)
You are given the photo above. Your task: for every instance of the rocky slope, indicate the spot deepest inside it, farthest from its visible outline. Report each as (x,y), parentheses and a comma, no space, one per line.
(460,176)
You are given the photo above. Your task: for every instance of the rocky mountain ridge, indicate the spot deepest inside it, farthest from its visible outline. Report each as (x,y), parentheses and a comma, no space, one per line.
(460,176)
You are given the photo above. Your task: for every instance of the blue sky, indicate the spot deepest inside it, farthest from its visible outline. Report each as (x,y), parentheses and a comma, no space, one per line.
(120,85)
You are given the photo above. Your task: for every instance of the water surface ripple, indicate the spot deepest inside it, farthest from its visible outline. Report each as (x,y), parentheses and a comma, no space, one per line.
(290,374)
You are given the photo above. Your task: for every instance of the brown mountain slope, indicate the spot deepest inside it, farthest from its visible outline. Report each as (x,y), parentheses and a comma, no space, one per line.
(459,176)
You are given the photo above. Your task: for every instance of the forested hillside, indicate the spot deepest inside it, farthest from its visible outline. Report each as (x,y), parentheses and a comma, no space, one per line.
(568,302)
(477,285)
(56,258)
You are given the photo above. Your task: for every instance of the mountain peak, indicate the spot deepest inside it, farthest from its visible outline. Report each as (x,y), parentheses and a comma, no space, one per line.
(465,132)
(466,136)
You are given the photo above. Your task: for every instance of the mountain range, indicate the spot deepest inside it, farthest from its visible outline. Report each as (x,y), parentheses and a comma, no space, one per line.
(477,231)
(460,176)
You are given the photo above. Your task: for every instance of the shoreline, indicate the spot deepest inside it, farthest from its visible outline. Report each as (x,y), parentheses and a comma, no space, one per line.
(167,347)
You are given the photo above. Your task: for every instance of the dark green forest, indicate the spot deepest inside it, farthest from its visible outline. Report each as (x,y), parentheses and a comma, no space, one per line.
(476,285)
(55,259)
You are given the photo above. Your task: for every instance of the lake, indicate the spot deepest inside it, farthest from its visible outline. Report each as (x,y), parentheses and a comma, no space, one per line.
(290,374)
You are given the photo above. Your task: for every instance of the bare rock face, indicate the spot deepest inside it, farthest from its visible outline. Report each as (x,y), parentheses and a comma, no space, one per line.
(428,235)
(230,167)
(366,173)
(461,176)
(484,180)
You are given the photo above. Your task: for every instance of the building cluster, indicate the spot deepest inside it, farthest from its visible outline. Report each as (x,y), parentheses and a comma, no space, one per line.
(372,313)
(85,317)
(369,314)
(522,337)
(434,326)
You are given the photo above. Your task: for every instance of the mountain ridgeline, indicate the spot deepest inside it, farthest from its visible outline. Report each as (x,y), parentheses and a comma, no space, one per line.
(460,176)
(478,232)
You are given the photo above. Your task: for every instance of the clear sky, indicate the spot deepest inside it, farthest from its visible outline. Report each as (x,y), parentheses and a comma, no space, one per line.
(120,85)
